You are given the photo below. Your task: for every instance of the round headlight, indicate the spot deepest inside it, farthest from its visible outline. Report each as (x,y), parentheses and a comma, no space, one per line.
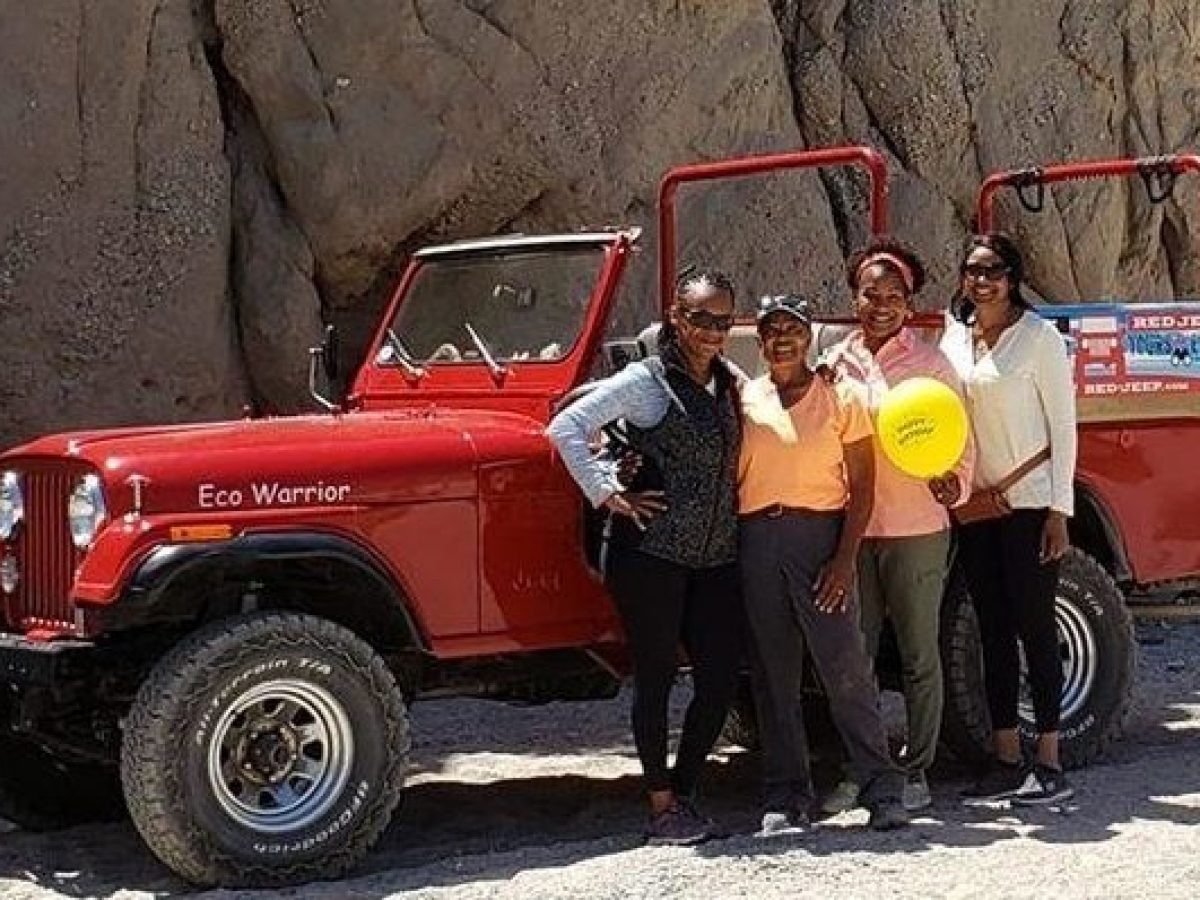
(12,504)
(86,511)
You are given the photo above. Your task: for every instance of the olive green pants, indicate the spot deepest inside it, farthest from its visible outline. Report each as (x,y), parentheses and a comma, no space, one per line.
(903,579)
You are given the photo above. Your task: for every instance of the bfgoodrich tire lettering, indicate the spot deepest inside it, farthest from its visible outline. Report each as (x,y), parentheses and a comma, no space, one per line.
(1099,659)
(265,750)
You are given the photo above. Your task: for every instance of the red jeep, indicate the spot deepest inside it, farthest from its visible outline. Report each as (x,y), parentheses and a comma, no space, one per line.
(1137,379)
(238,615)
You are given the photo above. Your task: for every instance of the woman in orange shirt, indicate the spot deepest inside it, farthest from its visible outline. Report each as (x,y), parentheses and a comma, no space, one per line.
(805,491)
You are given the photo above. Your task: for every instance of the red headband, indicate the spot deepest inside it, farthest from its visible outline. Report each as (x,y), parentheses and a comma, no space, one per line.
(905,270)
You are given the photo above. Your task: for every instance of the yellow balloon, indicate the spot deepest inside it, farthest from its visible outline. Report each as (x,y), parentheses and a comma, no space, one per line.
(922,427)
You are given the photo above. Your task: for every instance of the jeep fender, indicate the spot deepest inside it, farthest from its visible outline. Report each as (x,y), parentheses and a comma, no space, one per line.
(161,590)
(1094,530)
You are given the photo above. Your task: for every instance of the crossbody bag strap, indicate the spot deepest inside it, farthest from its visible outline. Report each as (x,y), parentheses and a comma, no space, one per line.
(1023,469)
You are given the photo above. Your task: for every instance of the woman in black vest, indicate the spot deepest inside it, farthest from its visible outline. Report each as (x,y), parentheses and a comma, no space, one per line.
(671,568)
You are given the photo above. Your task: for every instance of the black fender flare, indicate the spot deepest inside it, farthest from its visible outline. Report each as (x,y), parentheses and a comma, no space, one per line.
(142,601)
(1093,515)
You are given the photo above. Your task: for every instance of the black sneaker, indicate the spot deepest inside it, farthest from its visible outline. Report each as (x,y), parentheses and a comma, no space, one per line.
(777,822)
(712,828)
(1044,786)
(678,825)
(888,815)
(1002,781)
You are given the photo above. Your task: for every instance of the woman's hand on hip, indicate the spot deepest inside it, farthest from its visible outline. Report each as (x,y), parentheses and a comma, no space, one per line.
(629,463)
(834,584)
(641,506)
(1055,539)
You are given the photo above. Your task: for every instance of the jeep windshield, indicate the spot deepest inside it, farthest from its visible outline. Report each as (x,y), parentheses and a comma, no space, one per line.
(495,305)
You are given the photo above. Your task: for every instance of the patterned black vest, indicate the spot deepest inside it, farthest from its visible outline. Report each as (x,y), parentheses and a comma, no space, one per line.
(692,456)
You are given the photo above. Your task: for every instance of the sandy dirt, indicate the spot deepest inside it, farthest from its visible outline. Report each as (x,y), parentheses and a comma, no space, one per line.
(543,802)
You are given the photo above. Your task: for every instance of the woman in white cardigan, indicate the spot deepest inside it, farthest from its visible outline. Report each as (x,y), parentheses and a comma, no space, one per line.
(1021,399)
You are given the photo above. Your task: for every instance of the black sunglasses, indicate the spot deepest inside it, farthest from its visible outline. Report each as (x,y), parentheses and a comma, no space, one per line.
(773,326)
(702,318)
(988,273)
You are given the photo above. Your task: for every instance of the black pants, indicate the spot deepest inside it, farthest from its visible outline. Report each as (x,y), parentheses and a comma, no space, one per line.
(1014,599)
(780,560)
(663,604)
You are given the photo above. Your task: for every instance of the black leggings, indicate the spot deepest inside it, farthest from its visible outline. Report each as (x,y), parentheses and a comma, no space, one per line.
(662,604)
(1014,598)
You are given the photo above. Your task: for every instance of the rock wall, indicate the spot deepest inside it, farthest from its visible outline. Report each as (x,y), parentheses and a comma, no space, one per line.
(114,219)
(190,187)
(954,91)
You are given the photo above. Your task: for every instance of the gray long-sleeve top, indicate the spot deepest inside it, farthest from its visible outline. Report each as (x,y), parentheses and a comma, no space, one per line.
(639,394)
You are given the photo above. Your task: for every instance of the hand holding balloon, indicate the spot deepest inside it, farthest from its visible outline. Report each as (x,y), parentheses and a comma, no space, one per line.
(946,490)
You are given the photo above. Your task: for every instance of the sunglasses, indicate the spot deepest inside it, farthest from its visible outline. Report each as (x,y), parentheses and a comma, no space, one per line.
(781,326)
(987,273)
(702,318)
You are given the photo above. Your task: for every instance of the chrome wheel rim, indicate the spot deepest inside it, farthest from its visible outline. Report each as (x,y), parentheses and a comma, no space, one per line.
(1077,650)
(280,756)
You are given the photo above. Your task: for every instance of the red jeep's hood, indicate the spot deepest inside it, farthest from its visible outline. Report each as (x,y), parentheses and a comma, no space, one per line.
(306,460)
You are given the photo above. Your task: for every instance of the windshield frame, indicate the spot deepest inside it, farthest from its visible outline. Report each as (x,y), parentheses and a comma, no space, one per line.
(486,351)
(539,376)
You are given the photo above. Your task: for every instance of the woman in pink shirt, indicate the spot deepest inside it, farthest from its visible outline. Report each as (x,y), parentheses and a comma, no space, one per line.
(904,557)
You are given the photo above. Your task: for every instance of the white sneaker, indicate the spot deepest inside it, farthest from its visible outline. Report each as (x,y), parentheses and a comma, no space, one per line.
(776,823)
(842,798)
(1044,787)
(916,793)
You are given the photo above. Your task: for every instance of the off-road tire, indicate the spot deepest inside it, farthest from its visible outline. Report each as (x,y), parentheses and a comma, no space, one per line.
(188,712)
(39,792)
(966,723)
(1094,621)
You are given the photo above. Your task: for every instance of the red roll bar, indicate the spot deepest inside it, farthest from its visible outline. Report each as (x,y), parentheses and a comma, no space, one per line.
(746,166)
(1157,171)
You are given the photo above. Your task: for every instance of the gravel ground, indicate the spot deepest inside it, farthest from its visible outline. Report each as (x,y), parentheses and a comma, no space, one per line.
(543,802)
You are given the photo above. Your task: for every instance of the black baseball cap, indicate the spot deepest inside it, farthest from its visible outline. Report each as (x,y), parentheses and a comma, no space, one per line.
(792,304)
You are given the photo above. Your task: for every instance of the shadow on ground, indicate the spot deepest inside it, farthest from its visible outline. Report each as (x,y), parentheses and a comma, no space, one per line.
(450,832)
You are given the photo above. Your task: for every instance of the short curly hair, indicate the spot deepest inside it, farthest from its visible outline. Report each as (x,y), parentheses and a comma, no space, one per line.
(893,247)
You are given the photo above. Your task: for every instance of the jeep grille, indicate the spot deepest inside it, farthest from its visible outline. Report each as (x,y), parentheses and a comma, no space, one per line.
(45,553)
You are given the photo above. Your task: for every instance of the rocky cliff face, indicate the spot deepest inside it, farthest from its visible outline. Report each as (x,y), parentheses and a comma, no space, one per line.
(115,218)
(957,90)
(191,186)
